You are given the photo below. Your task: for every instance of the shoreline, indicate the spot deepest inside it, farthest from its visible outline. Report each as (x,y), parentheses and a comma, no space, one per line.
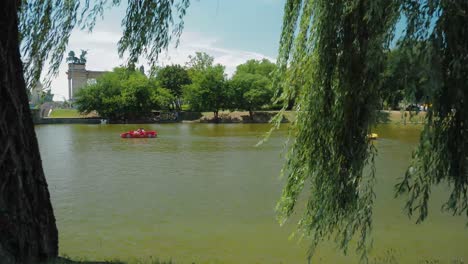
(227,117)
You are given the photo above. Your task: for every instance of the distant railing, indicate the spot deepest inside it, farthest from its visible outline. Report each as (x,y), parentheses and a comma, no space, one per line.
(165,116)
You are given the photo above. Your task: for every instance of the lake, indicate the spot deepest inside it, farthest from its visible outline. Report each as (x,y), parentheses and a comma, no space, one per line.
(204,193)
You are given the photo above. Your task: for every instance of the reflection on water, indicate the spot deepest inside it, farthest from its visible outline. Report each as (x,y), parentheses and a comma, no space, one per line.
(204,193)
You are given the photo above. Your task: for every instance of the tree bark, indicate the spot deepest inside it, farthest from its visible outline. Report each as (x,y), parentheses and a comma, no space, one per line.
(216,116)
(251,115)
(28,233)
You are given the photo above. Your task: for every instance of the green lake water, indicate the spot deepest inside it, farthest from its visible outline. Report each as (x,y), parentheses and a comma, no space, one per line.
(203,193)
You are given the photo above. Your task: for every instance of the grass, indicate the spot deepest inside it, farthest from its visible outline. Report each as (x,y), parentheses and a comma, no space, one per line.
(389,117)
(395,117)
(67,113)
(237,116)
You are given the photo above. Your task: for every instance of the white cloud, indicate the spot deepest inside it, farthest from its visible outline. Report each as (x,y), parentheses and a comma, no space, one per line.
(102,54)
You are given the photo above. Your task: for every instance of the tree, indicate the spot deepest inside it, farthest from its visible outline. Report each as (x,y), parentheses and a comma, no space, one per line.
(250,87)
(405,76)
(27,224)
(135,96)
(200,61)
(123,94)
(442,155)
(262,67)
(28,233)
(173,78)
(208,91)
(333,53)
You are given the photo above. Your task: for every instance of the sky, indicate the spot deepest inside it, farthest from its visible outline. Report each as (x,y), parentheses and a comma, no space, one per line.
(232,31)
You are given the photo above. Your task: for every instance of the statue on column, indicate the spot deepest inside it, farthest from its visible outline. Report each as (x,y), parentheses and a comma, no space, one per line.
(71,57)
(82,59)
(75,60)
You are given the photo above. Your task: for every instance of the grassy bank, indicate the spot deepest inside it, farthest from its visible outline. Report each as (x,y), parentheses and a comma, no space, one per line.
(393,117)
(68,113)
(387,117)
(244,117)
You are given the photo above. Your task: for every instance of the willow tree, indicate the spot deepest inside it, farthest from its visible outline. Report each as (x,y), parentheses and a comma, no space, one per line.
(442,154)
(41,29)
(331,58)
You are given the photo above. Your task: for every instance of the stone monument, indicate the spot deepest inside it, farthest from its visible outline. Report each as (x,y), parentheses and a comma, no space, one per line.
(78,76)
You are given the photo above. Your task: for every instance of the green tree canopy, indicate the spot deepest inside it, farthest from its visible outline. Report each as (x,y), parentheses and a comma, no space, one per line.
(123,93)
(250,88)
(173,78)
(333,53)
(208,91)
(332,58)
(405,76)
(199,62)
(262,67)
(441,31)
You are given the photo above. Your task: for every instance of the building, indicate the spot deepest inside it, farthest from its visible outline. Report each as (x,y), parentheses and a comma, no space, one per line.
(78,77)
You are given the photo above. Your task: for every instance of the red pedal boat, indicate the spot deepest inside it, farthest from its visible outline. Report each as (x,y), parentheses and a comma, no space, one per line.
(139,134)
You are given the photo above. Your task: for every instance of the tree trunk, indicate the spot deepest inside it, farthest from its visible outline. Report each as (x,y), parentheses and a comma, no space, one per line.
(251,115)
(28,233)
(216,116)
(179,105)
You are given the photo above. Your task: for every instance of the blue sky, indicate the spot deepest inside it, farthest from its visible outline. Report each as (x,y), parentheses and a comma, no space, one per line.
(252,25)
(232,31)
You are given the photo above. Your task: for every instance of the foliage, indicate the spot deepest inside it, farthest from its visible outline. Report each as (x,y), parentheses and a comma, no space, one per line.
(147,26)
(162,98)
(250,87)
(262,67)
(208,91)
(45,28)
(250,91)
(442,154)
(122,93)
(331,59)
(405,76)
(173,78)
(199,62)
